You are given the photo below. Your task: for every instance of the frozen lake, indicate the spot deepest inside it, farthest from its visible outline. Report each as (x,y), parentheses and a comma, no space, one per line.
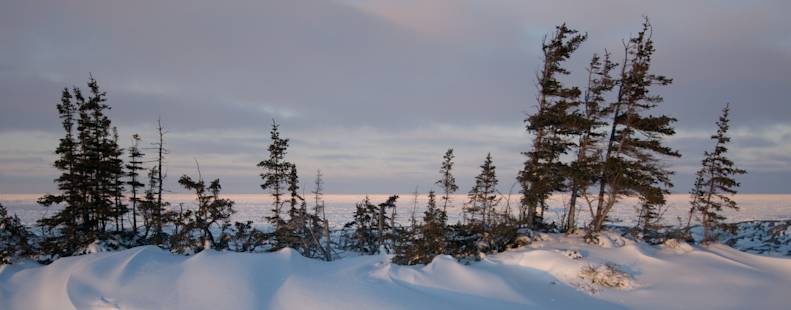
(340,208)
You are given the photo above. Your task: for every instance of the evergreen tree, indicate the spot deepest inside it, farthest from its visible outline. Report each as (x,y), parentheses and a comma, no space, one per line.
(365,238)
(447,181)
(320,213)
(551,126)
(213,212)
(93,127)
(387,231)
(69,232)
(584,170)
(14,238)
(89,160)
(302,230)
(715,183)
(648,219)
(433,229)
(294,231)
(632,162)
(133,168)
(151,210)
(275,178)
(419,245)
(371,228)
(483,196)
(117,169)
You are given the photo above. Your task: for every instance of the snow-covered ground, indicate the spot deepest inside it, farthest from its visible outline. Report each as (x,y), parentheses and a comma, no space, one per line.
(341,207)
(554,272)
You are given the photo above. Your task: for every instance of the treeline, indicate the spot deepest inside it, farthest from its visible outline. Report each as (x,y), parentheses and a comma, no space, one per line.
(596,143)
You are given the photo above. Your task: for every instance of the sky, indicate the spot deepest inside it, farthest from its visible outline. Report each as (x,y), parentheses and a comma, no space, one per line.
(373,92)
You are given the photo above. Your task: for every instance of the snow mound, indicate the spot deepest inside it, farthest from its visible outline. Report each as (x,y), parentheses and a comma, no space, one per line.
(563,273)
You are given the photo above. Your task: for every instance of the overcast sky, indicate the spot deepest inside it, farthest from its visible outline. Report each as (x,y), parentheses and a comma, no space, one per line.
(373,92)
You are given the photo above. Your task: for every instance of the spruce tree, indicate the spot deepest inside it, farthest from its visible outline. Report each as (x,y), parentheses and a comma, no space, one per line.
(93,127)
(66,228)
(89,160)
(133,168)
(715,182)
(433,230)
(584,170)
(635,150)
(294,230)
(275,177)
(15,239)
(301,231)
(117,170)
(447,181)
(551,126)
(213,213)
(483,196)
(321,214)
(151,210)
(386,224)
(364,238)
(420,244)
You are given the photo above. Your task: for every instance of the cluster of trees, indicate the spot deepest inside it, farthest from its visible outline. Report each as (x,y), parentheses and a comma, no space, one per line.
(598,143)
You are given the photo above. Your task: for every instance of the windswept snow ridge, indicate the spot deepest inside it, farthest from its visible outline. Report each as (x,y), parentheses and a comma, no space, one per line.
(555,272)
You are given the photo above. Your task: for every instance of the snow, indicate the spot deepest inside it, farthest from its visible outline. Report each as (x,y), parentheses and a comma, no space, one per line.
(553,272)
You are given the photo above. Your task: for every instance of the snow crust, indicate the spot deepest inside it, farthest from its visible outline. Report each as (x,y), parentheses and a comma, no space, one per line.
(553,272)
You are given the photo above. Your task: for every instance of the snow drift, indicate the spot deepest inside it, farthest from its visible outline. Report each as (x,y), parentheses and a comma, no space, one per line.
(556,272)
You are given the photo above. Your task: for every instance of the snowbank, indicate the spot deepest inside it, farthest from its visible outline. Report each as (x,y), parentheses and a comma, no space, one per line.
(557,272)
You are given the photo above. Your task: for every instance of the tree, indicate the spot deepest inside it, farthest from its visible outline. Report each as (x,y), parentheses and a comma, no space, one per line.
(302,230)
(97,151)
(364,238)
(447,181)
(117,170)
(159,208)
(150,208)
(275,177)
(483,196)
(633,157)
(386,231)
(70,233)
(89,160)
(419,245)
(551,126)
(715,183)
(14,238)
(212,212)
(371,228)
(320,213)
(133,168)
(433,229)
(583,171)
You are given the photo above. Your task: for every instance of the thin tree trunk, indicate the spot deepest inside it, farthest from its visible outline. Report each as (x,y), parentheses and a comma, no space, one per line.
(599,218)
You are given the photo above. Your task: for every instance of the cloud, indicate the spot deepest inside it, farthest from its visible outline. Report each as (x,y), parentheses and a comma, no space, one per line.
(373,92)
